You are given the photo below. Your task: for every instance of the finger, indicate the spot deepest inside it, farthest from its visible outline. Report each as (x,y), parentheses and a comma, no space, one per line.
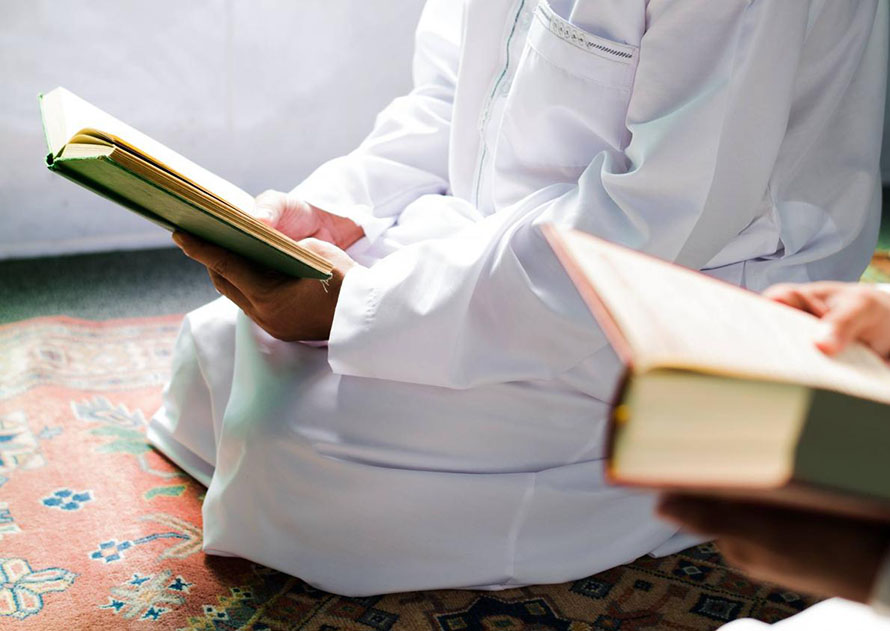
(739,553)
(878,338)
(240,272)
(845,322)
(824,289)
(322,248)
(760,562)
(719,518)
(874,332)
(231,292)
(287,213)
(180,237)
(689,512)
(298,219)
(198,249)
(814,304)
(268,207)
(800,297)
(785,293)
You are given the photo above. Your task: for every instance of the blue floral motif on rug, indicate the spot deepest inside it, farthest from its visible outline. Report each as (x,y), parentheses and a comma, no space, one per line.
(97,530)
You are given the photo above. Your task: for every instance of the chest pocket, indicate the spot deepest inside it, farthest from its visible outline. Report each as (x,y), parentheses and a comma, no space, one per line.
(567,103)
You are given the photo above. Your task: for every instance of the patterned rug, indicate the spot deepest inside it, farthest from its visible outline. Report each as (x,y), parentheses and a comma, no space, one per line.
(98,531)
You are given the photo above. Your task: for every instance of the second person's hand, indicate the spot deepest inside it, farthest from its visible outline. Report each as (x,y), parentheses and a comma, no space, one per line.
(851,311)
(820,553)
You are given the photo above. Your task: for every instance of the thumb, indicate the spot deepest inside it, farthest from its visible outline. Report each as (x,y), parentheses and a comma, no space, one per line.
(335,255)
(269,206)
(833,339)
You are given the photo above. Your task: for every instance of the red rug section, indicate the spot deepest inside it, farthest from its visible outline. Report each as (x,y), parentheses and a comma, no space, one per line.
(98,531)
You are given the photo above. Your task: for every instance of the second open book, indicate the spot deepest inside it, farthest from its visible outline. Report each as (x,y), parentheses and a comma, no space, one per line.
(726,392)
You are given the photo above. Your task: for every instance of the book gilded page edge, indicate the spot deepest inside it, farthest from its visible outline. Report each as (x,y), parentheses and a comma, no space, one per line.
(858,372)
(49,130)
(149,171)
(611,330)
(94,187)
(53,120)
(68,114)
(58,166)
(168,181)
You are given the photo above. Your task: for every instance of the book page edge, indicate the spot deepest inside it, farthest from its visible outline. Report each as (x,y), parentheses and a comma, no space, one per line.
(53,120)
(585,288)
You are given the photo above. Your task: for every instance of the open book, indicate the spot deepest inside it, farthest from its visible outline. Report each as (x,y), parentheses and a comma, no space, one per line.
(725,391)
(110,158)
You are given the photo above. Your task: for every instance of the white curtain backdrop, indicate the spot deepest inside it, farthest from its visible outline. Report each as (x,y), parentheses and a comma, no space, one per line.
(258,91)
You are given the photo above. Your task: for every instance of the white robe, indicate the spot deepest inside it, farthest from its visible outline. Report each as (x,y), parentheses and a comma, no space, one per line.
(834,614)
(451,434)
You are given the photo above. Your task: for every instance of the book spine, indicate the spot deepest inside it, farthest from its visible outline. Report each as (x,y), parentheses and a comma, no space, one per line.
(619,414)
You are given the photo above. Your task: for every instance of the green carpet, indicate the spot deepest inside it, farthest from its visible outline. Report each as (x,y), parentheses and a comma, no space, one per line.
(103,286)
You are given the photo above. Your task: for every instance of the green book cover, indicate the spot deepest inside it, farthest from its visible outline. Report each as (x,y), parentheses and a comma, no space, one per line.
(113,180)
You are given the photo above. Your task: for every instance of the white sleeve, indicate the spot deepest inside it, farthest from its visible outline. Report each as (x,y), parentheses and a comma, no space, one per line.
(406,154)
(828,615)
(708,112)
(880,596)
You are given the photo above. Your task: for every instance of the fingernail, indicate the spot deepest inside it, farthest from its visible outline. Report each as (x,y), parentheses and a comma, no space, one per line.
(265,214)
(828,342)
(825,337)
(829,347)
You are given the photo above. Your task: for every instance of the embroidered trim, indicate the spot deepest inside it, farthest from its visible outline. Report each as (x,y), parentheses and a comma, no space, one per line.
(579,38)
(486,113)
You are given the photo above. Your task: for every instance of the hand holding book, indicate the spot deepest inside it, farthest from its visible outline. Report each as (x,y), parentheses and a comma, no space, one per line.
(851,312)
(286,307)
(807,551)
(261,254)
(299,220)
(107,156)
(726,393)
(829,555)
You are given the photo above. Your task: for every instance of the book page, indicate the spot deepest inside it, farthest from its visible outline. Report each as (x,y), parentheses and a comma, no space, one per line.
(65,115)
(675,317)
